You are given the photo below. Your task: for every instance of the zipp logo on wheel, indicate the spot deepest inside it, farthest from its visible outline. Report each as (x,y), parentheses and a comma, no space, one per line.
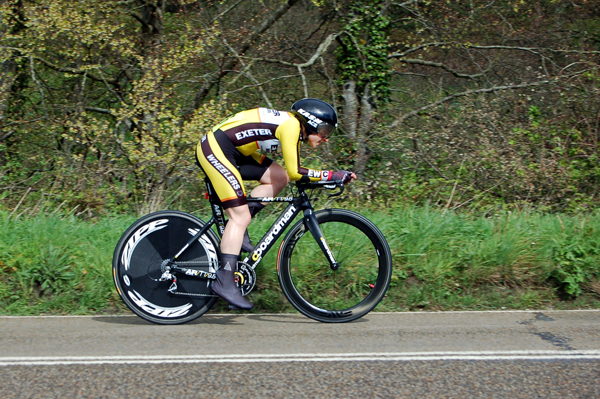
(140,234)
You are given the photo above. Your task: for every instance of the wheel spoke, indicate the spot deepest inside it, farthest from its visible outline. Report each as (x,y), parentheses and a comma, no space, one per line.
(348,292)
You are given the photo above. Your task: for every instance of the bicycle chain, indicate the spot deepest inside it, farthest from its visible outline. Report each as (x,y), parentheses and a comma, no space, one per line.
(194,263)
(202,263)
(190,294)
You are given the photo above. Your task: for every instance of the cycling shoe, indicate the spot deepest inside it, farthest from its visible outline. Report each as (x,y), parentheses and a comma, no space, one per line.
(225,287)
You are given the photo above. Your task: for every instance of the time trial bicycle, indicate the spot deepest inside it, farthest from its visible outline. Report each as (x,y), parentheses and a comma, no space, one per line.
(333,265)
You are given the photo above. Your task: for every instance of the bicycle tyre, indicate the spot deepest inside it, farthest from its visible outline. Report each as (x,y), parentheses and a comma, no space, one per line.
(348,293)
(137,267)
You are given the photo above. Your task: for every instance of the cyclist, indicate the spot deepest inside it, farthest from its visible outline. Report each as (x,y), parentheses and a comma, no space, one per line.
(228,155)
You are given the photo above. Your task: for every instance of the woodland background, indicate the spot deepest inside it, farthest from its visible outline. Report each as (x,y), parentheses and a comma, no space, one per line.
(473,126)
(464,105)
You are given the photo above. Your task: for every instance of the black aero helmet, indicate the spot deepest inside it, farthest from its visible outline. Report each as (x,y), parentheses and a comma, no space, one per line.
(317,116)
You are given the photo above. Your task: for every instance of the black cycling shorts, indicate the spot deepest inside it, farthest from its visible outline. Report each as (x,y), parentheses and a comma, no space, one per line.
(227,167)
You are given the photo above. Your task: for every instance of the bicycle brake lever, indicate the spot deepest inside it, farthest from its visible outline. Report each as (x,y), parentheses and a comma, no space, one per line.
(341,186)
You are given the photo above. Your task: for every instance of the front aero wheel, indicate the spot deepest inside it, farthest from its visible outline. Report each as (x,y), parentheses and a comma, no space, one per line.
(137,267)
(345,294)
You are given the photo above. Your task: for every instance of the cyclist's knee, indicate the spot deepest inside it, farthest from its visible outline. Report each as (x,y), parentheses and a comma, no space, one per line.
(239,216)
(280,177)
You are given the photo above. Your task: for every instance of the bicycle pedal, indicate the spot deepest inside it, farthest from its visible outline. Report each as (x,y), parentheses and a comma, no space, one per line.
(233,307)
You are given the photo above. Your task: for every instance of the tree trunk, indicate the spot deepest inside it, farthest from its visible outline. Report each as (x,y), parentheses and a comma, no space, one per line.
(9,68)
(364,127)
(357,122)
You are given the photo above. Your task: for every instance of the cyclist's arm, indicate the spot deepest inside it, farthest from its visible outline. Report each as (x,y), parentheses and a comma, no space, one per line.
(288,134)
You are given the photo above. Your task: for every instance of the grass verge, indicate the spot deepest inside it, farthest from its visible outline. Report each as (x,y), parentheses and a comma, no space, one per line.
(442,261)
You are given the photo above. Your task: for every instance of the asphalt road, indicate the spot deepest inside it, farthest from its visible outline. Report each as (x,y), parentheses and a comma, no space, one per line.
(550,354)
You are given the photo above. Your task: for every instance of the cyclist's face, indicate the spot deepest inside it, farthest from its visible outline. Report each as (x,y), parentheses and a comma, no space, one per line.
(314,140)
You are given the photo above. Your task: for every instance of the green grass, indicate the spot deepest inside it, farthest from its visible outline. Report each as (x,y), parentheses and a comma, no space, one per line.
(55,265)
(442,261)
(513,260)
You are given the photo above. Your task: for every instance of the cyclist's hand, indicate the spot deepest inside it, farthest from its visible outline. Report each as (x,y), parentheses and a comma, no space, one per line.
(342,175)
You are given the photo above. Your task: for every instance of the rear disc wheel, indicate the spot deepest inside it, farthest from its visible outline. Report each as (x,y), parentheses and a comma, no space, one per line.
(138,264)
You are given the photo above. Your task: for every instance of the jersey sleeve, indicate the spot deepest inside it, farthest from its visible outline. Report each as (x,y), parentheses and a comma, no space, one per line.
(288,134)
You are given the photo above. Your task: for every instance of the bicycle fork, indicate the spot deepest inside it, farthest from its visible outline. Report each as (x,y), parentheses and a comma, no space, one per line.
(310,221)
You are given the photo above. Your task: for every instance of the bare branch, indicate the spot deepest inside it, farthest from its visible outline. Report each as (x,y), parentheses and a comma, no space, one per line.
(39,85)
(19,123)
(6,135)
(303,82)
(393,3)
(320,50)
(463,94)
(534,50)
(318,53)
(282,77)
(226,11)
(417,48)
(444,67)
(228,66)
(100,110)
(406,3)
(74,71)
(106,82)
(246,72)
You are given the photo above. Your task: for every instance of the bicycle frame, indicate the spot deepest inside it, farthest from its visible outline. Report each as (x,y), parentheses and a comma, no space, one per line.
(300,203)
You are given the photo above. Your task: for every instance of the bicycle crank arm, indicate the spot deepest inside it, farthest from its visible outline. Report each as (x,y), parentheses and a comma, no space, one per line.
(310,220)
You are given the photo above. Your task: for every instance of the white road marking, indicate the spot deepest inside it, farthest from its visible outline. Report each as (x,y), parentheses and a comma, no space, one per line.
(314,357)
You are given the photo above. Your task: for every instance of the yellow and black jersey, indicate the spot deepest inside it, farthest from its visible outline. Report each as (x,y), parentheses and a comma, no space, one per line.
(230,153)
(268,130)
